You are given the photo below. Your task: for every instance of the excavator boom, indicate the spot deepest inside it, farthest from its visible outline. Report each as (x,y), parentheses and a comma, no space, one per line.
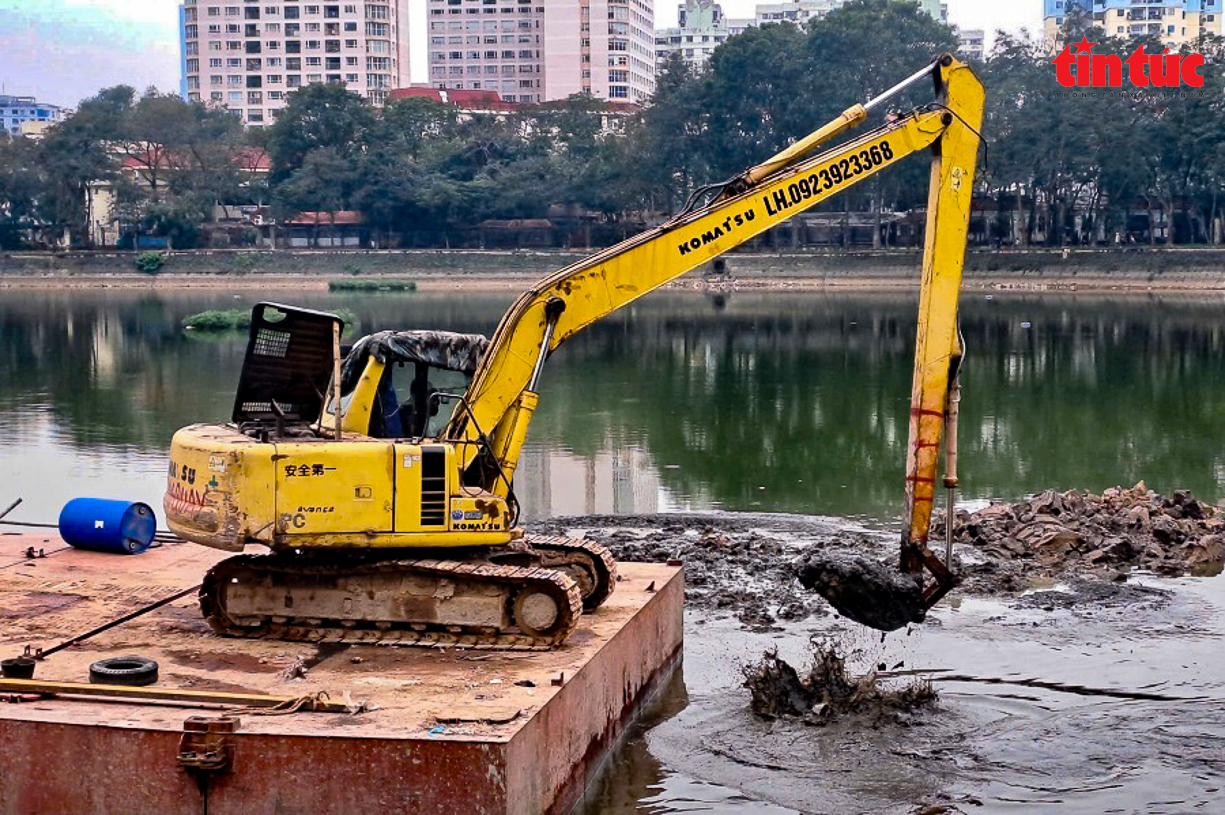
(502,394)
(594,287)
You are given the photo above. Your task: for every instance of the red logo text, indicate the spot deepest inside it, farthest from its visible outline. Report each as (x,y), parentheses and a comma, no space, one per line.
(1143,70)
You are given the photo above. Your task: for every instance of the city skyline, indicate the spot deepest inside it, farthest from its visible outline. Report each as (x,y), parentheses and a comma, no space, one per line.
(107,42)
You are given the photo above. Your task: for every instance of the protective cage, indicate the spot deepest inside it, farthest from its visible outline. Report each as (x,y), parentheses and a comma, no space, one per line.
(288,363)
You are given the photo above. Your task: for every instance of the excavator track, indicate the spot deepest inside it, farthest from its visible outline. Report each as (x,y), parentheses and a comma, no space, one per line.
(455,603)
(590,564)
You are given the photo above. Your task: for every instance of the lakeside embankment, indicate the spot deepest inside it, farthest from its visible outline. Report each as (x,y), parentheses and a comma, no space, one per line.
(1197,269)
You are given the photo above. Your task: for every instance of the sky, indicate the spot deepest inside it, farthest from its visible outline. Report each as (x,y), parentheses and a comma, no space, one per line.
(61,51)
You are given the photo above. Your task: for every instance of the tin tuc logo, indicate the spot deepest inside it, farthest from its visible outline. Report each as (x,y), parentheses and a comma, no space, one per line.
(1164,70)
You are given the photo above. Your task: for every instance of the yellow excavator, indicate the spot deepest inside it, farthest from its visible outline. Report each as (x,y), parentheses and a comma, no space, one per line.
(396,521)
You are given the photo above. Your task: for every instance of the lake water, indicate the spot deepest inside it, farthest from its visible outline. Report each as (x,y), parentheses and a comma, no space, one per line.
(778,402)
(787,402)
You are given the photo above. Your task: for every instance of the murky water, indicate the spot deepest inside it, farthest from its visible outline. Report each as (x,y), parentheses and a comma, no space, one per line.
(775,402)
(1009,748)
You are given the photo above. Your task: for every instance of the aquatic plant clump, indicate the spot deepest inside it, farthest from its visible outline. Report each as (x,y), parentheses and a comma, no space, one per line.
(240,319)
(371,285)
(215,320)
(150,262)
(825,690)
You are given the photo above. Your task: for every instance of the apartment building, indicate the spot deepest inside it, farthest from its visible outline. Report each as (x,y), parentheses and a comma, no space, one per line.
(1175,21)
(701,26)
(970,43)
(541,50)
(249,56)
(800,12)
(18,112)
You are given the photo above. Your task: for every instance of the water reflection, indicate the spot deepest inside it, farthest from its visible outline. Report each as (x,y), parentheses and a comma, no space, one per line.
(793,402)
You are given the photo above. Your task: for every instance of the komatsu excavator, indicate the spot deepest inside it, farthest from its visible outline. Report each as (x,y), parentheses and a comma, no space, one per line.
(397,522)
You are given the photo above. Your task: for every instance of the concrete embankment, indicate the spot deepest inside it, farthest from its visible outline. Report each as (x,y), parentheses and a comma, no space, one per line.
(1133,269)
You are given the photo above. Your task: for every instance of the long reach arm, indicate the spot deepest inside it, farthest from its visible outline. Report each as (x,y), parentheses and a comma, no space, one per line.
(491,422)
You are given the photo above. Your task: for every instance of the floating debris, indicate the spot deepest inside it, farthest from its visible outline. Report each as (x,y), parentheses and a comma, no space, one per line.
(826,690)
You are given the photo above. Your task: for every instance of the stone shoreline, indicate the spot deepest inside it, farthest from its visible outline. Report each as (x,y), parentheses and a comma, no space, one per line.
(1124,271)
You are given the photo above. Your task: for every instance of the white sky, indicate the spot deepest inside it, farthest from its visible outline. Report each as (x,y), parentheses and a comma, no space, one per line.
(64,50)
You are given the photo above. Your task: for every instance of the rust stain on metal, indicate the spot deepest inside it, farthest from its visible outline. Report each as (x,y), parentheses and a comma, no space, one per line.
(31,603)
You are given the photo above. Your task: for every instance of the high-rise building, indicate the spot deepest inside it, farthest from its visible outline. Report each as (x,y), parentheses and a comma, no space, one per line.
(539,50)
(798,12)
(16,111)
(248,57)
(801,11)
(701,26)
(970,43)
(1174,21)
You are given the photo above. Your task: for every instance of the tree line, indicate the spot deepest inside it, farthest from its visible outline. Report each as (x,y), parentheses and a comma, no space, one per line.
(1057,168)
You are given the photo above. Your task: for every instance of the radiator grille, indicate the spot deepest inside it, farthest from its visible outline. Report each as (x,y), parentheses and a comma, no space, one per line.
(433,486)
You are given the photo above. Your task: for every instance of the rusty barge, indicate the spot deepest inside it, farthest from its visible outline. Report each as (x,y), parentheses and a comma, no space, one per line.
(439,730)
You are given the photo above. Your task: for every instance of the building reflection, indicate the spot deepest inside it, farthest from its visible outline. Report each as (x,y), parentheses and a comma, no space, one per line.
(555,482)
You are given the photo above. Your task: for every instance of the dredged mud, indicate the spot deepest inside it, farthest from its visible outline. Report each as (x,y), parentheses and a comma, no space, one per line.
(1086,537)
(737,563)
(866,592)
(755,565)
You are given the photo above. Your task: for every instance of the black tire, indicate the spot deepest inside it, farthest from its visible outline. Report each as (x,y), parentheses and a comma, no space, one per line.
(123,671)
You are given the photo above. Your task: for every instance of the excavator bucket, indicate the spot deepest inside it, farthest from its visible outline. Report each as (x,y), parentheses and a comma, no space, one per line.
(864,591)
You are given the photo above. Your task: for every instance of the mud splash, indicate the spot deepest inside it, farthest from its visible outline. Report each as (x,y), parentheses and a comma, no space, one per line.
(826,690)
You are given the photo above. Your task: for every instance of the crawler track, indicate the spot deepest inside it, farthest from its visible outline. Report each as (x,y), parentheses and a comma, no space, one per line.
(595,559)
(296,583)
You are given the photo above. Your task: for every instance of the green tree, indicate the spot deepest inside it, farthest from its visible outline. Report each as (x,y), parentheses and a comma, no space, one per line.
(185,158)
(666,139)
(76,156)
(323,184)
(752,98)
(318,116)
(19,190)
(769,86)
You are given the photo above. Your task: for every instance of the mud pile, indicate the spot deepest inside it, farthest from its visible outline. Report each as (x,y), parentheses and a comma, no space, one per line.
(757,565)
(740,563)
(826,690)
(1061,532)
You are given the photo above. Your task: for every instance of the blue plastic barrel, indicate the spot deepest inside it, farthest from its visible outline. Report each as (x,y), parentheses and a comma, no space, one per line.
(123,527)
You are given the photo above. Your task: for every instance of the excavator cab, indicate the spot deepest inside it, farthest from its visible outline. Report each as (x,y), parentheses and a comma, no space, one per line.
(399,384)
(394,384)
(285,371)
